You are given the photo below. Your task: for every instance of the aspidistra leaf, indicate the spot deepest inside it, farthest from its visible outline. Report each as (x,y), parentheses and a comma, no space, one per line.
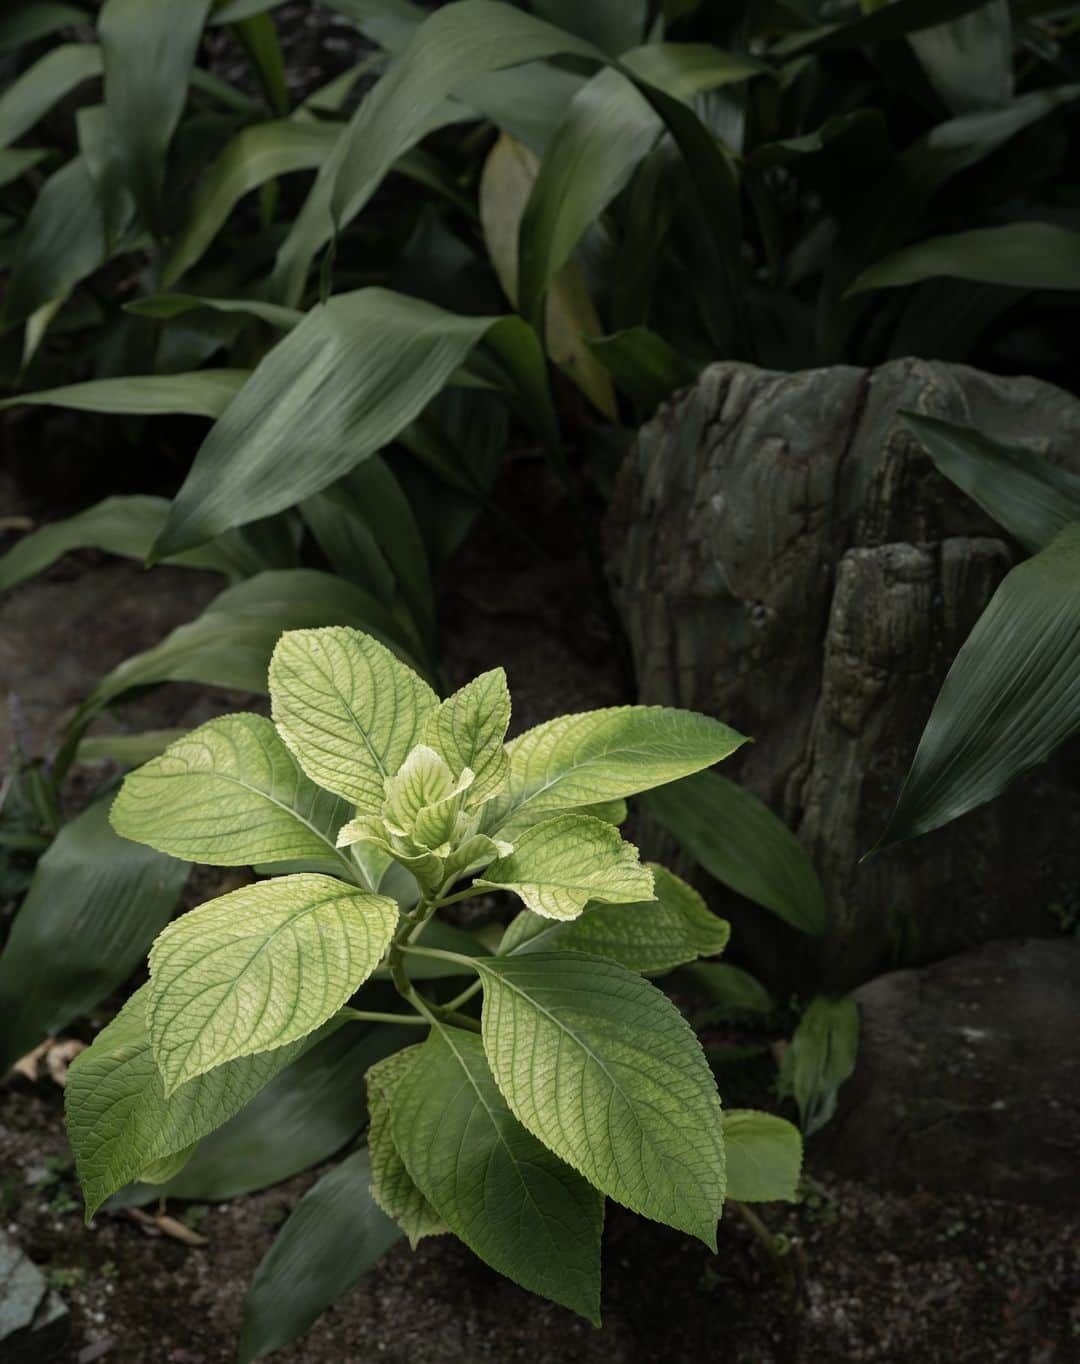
(260,968)
(649,937)
(605,1071)
(561,864)
(231,794)
(512,1202)
(392,1186)
(601,755)
(350,711)
(120,1122)
(468,730)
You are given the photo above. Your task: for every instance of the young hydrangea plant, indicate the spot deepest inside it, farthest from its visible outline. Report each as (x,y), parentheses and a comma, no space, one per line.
(579,1081)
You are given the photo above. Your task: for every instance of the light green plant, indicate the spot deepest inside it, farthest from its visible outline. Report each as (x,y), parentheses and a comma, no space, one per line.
(580,1079)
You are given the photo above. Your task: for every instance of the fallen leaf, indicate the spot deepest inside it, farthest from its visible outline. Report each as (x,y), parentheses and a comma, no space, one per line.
(60,1056)
(28,1065)
(179,1232)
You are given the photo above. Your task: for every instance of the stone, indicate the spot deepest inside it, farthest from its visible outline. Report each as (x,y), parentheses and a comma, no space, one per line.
(34,1321)
(968,1077)
(786,557)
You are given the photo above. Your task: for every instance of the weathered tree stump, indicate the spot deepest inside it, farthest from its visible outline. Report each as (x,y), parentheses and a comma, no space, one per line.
(785,556)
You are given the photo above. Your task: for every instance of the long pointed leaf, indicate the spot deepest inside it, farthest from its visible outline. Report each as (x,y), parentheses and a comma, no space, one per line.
(203,393)
(1011,697)
(42,85)
(1020,255)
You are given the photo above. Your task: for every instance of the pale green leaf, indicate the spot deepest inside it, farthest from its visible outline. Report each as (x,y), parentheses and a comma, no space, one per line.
(202,393)
(119,1121)
(1011,697)
(168,306)
(764,1157)
(513,1203)
(339,387)
(1018,256)
(602,755)
(255,156)
(33,93)
(468,729)
(738,839)
(230,794)
(350,711)
(93,907)
(820,1057)
(561,864)
(336,1234)
(260,968)
(391,1184)
(650,937)
(1032,498)
(605,1071)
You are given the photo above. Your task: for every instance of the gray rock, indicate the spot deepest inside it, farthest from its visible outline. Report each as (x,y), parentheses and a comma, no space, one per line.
(968,1077)
(34,1322)
(785,556)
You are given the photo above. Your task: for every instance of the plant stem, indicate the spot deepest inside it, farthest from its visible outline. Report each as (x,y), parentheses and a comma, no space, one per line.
(366,1016)
(455,957)
(465,894)
(465,995)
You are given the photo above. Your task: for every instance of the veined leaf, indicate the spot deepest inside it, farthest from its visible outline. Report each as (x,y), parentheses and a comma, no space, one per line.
(259,968)
(513,1203)
(650,937)
(605,1071)
(1032,498)
(509,175)
(1011,697)
(305,1114)
(764,1157)
(969,60)
(350,711)
(391,1184)
(148,52)
(254,156)
(602,755)
(32,94)
(203,393)
(739,841)
(820,1057)
(561,864)
(1019,255)
(119,1120)
(608,128)
(94,905)
(451,48)
(233,11)
(336,1234)
(468,730)
(613,25)
(175,305)
(125,526)
(382,356)
(230,794)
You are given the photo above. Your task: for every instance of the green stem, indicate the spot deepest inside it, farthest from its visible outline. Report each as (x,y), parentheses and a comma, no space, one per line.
(437,952)
(465,894)
(465,995)
(366,1016)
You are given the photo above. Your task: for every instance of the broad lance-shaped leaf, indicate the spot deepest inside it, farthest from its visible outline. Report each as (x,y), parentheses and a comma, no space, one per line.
(602,755)
(259,968)
(120,1121)
(391,1184)
(335,1235)
(1011,697)
(339,387)
(94,905)
(203,393)
(605,1071)
(739,840)
(42,85)
(649,937)
(512,1202)
(820,1057)
(468,729)
(231,794)
(1032,498)
(348,709)
(1019,256)
(764,1157)
(558,866)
